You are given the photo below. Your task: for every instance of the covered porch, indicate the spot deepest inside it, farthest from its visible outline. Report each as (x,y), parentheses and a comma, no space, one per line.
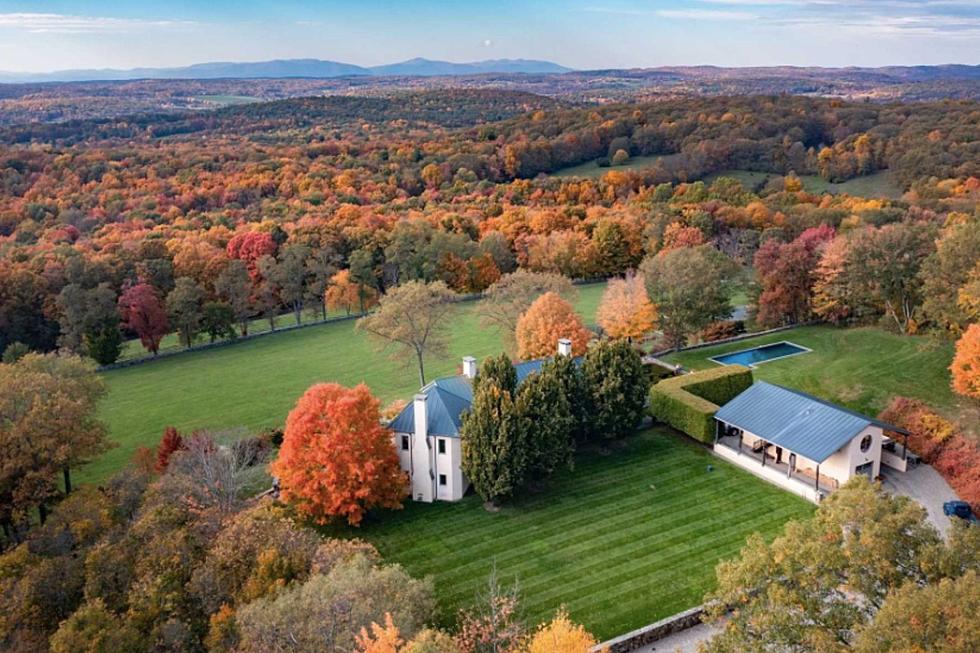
(773,463)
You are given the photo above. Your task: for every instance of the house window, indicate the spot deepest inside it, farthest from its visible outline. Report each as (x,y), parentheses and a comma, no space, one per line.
(404,443)
(442,479)
(442,445)
(866,442)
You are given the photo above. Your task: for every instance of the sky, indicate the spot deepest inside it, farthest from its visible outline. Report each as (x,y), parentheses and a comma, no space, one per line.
(45,35)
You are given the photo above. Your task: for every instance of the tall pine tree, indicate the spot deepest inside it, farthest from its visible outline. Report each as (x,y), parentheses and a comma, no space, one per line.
(617,386)
(546,422)
(494,457)
(569,375)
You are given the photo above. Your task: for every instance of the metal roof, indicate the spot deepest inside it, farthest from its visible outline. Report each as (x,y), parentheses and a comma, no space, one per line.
(794,420)
(448,397)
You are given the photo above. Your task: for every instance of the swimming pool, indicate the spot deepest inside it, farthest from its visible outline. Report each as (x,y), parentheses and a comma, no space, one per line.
(761,354)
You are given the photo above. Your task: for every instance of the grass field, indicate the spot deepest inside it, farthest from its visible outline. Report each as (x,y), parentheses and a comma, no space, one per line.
(133,349)
(861,368)
(591,170)
(623,540)
(229,100)
(879,184)
(254,384)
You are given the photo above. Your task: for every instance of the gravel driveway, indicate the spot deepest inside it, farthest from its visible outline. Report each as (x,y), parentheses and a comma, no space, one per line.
(925,485)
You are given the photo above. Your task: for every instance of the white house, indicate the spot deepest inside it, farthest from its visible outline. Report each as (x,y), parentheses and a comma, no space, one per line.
(426,431)
(802,443)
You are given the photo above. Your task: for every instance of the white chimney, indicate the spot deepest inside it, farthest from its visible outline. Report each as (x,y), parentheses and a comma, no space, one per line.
(564,347)
(469,367)
(421,416)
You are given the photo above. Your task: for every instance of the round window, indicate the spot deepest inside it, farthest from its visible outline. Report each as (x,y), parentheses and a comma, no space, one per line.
(865,443)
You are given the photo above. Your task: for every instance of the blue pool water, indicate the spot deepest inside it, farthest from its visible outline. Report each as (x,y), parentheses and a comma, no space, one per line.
(761,354)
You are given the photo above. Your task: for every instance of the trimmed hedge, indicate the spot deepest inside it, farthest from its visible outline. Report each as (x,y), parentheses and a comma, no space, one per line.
(689,402)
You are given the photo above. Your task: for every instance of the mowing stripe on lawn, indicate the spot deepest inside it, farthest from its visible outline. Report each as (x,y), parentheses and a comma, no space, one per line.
(616,553)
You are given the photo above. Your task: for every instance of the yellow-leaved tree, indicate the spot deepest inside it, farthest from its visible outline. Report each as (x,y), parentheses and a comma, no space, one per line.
(626,311)
(562,635)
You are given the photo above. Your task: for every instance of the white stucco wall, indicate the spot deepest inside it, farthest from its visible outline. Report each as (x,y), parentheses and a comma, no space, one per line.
(425,457)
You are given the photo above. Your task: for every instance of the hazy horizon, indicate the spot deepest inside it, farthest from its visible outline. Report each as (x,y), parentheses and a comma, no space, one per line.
(42,36)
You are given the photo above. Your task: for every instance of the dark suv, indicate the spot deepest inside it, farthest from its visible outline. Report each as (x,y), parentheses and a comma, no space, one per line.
(960,509)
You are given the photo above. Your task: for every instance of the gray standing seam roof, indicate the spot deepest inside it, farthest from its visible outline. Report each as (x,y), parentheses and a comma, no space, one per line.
(797,421)
(447,398)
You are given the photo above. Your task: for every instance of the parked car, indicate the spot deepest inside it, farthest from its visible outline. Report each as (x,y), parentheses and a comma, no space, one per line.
(961,510)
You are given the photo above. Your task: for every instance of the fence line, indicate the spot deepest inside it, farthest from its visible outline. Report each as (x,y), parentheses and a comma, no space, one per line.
(204,346)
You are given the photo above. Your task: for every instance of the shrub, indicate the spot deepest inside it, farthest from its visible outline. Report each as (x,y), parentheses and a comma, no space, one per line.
(939,442)
(722,330)
(689,402)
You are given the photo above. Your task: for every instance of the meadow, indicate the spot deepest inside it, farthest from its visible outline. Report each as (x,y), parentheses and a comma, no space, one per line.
(254,384)
(591,170)
(879,184)
(623,540)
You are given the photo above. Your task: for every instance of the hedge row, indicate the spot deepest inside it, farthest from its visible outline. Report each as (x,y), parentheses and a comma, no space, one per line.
(689,402)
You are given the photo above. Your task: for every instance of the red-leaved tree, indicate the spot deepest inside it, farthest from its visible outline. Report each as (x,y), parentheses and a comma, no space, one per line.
(786,274)
(336,459)
(143,313)
(249,247)
(170,443)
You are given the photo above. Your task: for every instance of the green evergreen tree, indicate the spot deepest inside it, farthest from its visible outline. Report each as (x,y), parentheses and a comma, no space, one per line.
(569,375)
(617,385)
(546,424)
(104,344)
(498,369)
(494,459)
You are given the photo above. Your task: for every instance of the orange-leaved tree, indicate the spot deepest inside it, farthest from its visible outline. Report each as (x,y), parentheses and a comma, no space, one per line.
(381,639)
(336,459)
(547,320)
(562,635)
(966,363)
(626,311)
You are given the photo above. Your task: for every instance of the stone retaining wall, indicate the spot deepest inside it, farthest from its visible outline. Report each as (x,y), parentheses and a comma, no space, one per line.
(654,632)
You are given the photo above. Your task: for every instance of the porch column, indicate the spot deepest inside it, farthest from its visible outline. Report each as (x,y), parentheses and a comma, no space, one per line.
(717,430)
(905,447)
(816,481)
(765,445)
(740,437)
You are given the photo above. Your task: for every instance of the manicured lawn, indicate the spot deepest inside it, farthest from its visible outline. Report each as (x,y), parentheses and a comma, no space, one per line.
(623,540)
(254,384)
(861,368)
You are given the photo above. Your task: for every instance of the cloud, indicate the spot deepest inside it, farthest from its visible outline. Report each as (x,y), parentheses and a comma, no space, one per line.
(706,14)
(38,23)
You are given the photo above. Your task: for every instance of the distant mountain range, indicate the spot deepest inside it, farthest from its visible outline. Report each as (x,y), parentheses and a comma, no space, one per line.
(291,68)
